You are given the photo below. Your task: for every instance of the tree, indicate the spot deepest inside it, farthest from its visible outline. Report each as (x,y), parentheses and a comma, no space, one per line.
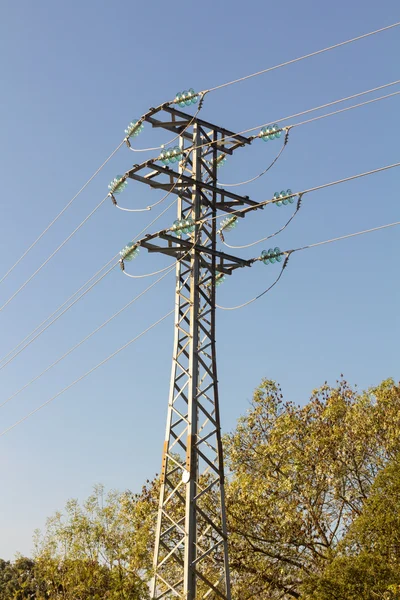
(367,565)
(18,580)
(299,478)
(98,550)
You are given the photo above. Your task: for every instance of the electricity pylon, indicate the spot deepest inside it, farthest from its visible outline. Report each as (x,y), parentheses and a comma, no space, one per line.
(191,551)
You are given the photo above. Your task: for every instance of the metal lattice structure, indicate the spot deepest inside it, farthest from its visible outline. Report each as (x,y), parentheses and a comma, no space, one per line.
(191,552)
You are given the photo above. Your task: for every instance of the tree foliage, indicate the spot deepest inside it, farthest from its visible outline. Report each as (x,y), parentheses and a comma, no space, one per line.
(98,550)
(300,477)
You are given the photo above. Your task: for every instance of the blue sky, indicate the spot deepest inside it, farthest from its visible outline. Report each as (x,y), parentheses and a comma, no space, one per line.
(74,74)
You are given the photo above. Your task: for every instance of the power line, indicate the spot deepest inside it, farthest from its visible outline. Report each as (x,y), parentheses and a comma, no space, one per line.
(87,337)
(336,112)
(295,60)
(309,190)
(288,253)
(344,237)
(327,104)
(303,122)
(58,309)
(53,254)
(61,212)
(146,274)
(72,296)
(75,293)
(82,189)
(86,374)
(28,343)
(304,112)
(169,270)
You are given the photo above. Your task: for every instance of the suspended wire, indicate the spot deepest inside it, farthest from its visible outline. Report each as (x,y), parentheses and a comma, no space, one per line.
(303,192)
(62,211)
(336,112)
(277,157)
(227,137)
(87,337)
(295,60)
(326,105)
(258,295)
(53,254)
(169,270)
(86,374)
(146,274)
(344,237)
(82,189)
(268,237)
(288,253)
(59,308)
(74,294)
(29,342)
(304,112)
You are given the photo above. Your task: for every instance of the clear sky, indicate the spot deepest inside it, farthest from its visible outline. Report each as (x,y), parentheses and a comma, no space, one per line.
(73,75)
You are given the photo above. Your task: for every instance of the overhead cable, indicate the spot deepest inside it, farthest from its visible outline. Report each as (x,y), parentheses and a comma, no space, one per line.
(288,253)
(87,337)
(53,254)
(68,387)
(15,349)
(62,211)
(305,56)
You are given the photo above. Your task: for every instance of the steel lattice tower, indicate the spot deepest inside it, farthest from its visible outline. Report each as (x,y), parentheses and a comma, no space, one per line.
(191,553)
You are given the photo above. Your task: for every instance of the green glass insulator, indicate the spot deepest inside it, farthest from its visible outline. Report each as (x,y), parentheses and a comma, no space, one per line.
(270,255)
(264,257)
(130,251)
(131,130)
(195,97)
(277,254)
(276,197)
(117,185)
(181,99)
(291,198)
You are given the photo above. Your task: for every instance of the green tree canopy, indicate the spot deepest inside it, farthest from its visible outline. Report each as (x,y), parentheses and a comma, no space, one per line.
(300,476)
